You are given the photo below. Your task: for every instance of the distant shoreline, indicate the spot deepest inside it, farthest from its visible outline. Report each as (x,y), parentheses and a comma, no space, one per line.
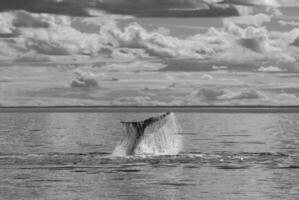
(152,109)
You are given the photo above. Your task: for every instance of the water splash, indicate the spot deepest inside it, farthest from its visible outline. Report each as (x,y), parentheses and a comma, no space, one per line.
(153,136)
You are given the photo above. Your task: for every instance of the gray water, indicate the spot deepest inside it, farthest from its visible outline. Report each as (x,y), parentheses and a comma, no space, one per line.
(224,157)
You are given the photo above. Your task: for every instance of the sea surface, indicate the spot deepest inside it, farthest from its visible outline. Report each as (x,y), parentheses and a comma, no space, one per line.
(66,156)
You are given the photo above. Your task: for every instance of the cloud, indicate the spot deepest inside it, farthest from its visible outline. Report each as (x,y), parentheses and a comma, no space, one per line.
(134,100)
(296,42)
(127,53)
(246,94)
(256,44)
(210,95)
(32,58)
(144,8)
(145,101)
(207,76)
(84,80)
(288,23)
(141,8)
(67,7)
(213,95)
(180,11)
(216,67)
(45,34)
(133,66)
(286,99)
(55,37)
(157,43)
(270,69)
(12,22)
(5,79)
(24,19)
(268,3)
(6,26)
(62,39)
(253,44)
(256,20)
(48,48)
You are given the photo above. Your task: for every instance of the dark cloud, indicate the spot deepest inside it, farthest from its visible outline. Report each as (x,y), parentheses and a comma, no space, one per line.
(66,7)
(11,23)
(151,4)
(84,80)
(268,3)
(141,8)
(252,44)
(212,11)
(32,59)
(168,8)
(296,42)
(13,34)
(138,8)
(244,2)
(24,19)
(210,94)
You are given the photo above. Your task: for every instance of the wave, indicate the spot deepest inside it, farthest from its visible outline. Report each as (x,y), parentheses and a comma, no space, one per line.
(220,160)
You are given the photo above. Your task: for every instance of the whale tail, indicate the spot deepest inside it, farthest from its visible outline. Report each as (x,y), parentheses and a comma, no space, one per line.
(153,136)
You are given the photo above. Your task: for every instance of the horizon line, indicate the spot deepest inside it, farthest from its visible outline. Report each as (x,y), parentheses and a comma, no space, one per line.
(153,109)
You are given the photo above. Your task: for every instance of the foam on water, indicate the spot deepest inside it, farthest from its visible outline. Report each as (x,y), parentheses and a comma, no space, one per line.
(221,160)
(159,137)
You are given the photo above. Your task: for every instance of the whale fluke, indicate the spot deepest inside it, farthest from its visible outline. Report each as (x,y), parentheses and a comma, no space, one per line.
(155,135)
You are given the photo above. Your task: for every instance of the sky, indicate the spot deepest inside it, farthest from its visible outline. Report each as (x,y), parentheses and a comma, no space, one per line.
(149,52)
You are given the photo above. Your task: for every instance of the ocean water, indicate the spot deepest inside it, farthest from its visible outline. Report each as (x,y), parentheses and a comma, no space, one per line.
(67,156)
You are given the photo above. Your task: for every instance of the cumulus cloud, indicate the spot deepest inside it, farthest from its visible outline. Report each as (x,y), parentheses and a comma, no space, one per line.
(219,94)
(288,23)
(245,94)
(284,98)
(256,20)
(54,36)
(208,94)
(270,68)
(45,34)
(10,22)
(256,44)
(84,80)
(240,95)
(22,19)
(159,44)
(62,39)
(146,101)
(127,53)
(137,100)
(6,26)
